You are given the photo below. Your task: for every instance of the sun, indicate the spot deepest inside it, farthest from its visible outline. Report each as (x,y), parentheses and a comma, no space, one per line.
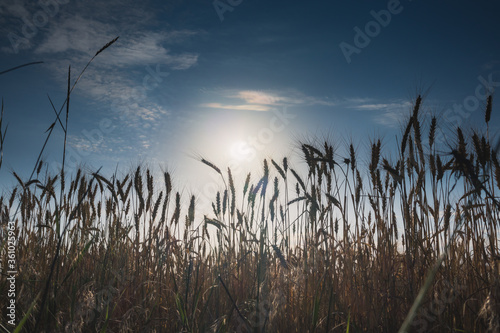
(241,151)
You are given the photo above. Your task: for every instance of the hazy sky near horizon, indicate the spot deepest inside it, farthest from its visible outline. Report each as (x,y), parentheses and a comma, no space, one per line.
(236,80)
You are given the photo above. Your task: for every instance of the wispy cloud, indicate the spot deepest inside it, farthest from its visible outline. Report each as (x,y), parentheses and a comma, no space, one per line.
(82,37)
(383,106)
(256,100)
(389,114)
(17,8)
(247,107)
(259,97)
(122,80)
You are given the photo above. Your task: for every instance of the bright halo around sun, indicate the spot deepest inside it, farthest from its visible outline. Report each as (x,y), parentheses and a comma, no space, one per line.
(241,151)
(239,140)
(225,137)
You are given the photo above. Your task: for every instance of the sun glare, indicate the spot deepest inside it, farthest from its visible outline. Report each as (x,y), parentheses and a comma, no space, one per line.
(241,151)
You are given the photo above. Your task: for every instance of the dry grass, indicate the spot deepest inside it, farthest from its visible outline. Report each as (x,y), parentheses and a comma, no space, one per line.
(342,248)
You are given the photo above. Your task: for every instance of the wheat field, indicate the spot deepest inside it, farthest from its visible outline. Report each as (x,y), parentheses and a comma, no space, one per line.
(407,243)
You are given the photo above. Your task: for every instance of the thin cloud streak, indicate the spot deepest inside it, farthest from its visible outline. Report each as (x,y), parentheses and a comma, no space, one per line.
(389,114)
(263,101)
(246,107)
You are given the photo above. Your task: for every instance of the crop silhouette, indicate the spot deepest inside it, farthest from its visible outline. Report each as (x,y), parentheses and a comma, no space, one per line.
(408,243)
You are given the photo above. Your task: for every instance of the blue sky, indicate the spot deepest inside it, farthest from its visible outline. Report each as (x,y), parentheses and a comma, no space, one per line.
(236,81)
